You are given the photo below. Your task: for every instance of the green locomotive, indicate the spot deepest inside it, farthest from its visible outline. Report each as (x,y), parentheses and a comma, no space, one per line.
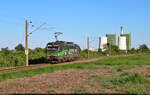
(62,51)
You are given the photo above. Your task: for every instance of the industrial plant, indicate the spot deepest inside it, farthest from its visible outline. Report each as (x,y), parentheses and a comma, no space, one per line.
(124,41)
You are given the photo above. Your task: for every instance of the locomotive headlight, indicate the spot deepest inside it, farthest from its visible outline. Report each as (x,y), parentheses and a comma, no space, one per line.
(58,53)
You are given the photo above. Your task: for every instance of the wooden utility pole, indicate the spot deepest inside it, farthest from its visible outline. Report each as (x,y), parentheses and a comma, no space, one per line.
(26,49)
(109,49)
(88,45)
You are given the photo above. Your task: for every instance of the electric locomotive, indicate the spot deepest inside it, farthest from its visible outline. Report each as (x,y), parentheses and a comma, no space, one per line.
(62,51)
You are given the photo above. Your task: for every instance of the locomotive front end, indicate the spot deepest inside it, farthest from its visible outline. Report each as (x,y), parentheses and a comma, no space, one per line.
(52,52)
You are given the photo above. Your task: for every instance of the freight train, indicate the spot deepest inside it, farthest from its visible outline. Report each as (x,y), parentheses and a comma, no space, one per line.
(62,51)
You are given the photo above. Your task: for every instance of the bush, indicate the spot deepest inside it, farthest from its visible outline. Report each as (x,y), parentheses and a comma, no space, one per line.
(10,58)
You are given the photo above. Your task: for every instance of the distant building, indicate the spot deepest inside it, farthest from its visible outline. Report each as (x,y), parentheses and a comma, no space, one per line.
(122,43)
(128,40)
(103,42)
(111,39)
(124,40)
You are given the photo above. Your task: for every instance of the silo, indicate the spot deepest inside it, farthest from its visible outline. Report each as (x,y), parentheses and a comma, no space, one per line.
(122,43)
(128,40)
(103,41)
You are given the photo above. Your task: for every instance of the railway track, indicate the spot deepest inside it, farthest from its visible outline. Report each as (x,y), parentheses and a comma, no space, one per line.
(43,64)
(23,68)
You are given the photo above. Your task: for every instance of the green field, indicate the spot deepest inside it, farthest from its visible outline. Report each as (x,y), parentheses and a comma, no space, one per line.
(125,73)
(5,67)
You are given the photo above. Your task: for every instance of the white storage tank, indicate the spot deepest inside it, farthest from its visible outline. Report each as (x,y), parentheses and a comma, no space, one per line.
(103,41)
(122,43)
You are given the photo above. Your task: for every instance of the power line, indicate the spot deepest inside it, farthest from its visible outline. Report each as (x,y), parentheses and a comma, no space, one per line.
(37,28)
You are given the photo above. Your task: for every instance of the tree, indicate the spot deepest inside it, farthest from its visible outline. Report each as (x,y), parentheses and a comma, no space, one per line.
(143,48)
(99,50)
(113,49)
(19,47)
(5,51)
(132,51)
(39,50)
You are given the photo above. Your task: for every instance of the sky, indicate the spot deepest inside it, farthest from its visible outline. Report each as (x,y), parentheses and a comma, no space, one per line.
(76,19)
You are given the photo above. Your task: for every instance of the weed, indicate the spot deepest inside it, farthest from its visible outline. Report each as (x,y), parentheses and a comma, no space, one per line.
(93,83)
(53,85)
(131,83)
(30,85)
(134,78)
(15,84)
(51,91)
(1,88)
(94,77)
(80,90)
(101,81)
(119,69)
(124,74)
(136,88)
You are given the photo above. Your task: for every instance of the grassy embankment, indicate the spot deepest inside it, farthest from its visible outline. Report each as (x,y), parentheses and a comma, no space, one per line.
(123,82)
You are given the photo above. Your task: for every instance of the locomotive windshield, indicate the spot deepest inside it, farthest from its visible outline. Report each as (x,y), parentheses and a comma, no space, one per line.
(52,47)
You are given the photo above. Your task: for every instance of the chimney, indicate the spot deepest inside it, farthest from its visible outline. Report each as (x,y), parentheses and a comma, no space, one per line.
(121,30)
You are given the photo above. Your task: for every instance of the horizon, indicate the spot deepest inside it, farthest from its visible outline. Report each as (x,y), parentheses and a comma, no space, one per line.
(76,19)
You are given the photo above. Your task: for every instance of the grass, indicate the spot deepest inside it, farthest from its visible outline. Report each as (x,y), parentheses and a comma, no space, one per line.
(121,68)
(1,88)
(119,61)
(15,84)
(5,68)
(53,85)
(127,83)
(126,60)
(51,91)
(79,89)
(134,78)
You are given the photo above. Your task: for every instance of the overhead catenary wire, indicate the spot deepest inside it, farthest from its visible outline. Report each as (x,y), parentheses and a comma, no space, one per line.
(37,28)
(18,20)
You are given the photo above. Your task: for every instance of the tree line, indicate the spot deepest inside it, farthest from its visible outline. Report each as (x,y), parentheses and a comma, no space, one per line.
(16,57)
(114,50)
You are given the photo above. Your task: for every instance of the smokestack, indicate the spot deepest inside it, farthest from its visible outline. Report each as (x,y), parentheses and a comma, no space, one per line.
(99,42)
(121,30)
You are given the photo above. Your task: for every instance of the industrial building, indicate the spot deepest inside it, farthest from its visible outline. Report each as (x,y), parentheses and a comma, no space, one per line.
(128,39)
(124,40)
(111,39)
(103,42)
(122,43)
